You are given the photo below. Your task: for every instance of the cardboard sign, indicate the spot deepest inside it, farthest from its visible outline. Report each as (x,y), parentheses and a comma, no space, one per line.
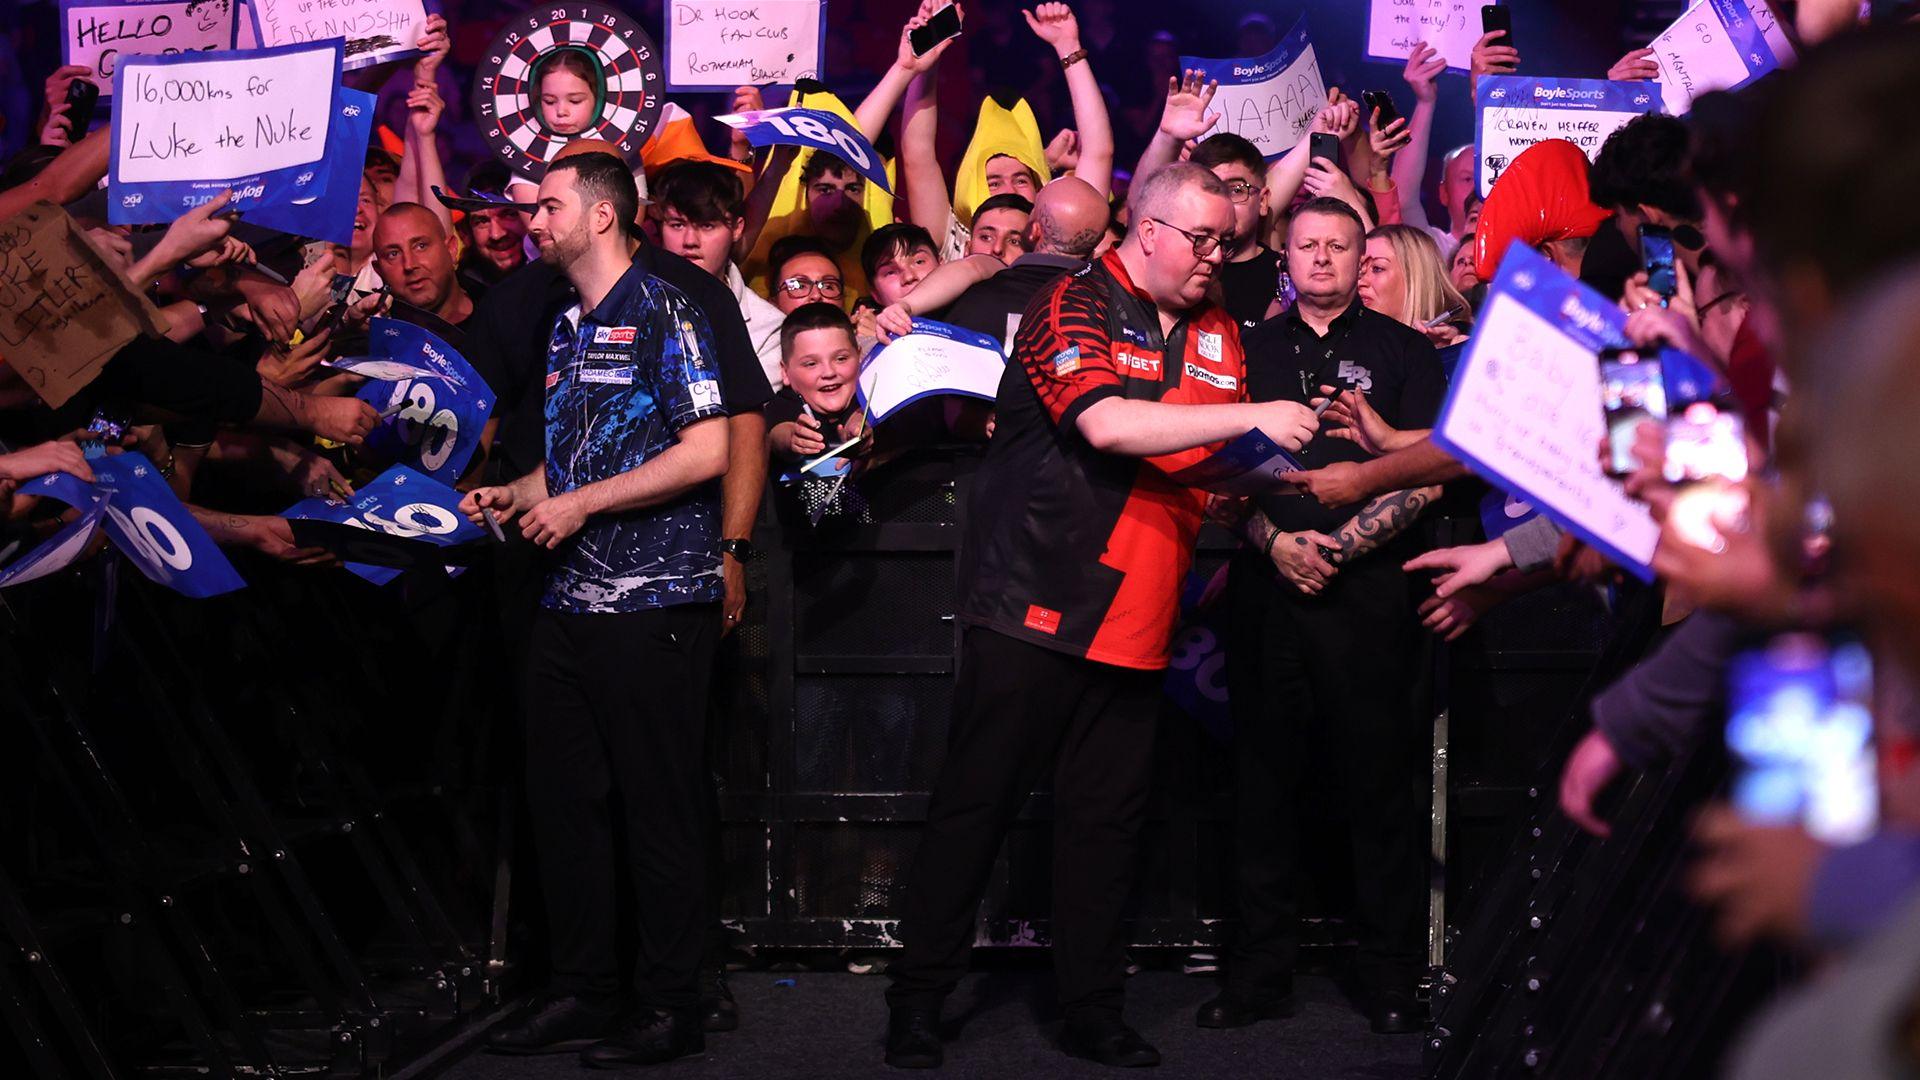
(721,44)
(148,523)
(186,128)
(433,422)
(1249,465)
(1512,112)
(58,551)
(97,33)
(1270,100)
(400,504)
(328,215)
(376,31)
(815,129)
(1714,45)
(931,360)
(64,310)
(1394,27)
(1524,409)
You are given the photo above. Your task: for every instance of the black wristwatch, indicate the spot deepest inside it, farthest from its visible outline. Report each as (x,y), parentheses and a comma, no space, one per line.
(739,549)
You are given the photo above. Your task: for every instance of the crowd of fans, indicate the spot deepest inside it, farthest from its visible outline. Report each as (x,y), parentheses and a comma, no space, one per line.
(661,334)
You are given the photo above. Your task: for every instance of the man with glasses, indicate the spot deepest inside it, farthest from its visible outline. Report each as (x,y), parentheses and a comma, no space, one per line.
(1077,538)
(801,271)
(1250,278)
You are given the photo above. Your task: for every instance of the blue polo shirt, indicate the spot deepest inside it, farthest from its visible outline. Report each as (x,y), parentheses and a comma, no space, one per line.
(621,380)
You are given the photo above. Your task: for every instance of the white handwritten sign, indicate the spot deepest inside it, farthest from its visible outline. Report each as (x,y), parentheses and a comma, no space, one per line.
(931,360)
(721,44)
(1269,100)
(97,34)
(1512,112)
(188,127)
(376,30)
(1394,27)
(1523,409)
(1714,45)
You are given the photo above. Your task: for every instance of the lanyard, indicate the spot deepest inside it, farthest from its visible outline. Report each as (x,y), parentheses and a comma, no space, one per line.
(1309,380)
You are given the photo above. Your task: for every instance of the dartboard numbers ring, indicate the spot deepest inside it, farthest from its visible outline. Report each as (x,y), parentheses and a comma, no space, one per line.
(506,102)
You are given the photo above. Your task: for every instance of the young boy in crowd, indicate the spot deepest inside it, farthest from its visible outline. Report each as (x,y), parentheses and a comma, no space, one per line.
(698,206)
(820,406)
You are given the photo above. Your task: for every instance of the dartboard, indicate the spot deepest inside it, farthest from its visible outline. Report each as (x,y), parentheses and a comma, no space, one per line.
(506,101)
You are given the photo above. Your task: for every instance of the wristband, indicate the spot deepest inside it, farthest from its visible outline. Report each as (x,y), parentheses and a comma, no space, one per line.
(1072,58)
(1268,550)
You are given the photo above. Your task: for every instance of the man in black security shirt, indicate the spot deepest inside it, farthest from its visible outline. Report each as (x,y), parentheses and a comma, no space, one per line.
(507,337)
(1325,646)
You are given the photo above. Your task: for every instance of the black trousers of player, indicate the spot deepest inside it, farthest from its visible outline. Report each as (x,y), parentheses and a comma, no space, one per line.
(1018,709)
(1327,683)
(616,725)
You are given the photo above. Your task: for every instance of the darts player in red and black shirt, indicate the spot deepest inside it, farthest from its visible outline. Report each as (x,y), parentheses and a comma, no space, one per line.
(1076,541)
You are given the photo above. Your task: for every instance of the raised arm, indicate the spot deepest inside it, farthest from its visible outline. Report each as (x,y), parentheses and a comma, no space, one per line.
(1289,170)
(1184,117)
(929,202)
(1054,24)
(1491,59)
(872,114)
(760,199)
(1424,65)
(421,169)
(72,174)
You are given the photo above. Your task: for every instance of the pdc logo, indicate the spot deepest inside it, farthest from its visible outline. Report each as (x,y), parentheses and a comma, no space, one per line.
(303,179)
(130,200)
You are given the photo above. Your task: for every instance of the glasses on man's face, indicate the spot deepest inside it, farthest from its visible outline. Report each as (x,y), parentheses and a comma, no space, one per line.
(1203,244)
(797,286)
(1241,192)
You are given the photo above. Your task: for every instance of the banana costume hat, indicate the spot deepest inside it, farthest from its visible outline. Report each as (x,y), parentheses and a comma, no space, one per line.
(1013,132)
(789,212)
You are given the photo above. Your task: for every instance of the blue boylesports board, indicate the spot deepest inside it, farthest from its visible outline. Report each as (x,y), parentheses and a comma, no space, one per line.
(931,360)
(815,129)
(1251,464)
(436,422)
(1523,410)
(1270,100)
(1713,45)
(1512,112)
(147,522)
(399,502)
(58,551)
(187,127)
(328,215)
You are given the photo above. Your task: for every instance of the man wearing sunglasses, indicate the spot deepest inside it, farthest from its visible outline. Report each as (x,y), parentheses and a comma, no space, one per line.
(1077,539)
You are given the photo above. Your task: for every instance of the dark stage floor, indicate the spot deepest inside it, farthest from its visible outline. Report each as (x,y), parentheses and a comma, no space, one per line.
(828,1025)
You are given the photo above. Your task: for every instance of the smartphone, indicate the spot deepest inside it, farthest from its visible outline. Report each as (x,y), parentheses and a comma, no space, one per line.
(1707,457)
(1631,391)
(1325,144)
(1383,101)
(83,98)
(1800,728)
(1495,18)
(1656,258)
(944,24)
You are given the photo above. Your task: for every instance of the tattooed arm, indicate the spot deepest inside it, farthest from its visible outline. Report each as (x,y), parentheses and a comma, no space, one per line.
(1309,559)
(1380,521)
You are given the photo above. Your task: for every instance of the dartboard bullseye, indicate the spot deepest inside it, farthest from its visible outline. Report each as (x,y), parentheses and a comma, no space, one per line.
(506,90)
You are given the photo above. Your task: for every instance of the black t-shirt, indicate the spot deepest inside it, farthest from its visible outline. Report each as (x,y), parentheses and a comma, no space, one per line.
(1250,286)
(1393,364)
(507,344)
(993,307)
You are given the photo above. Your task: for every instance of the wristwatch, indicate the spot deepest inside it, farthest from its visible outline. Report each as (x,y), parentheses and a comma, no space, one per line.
(739,549)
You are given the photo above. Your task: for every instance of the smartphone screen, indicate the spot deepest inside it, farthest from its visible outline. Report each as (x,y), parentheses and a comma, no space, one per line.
(1706,442)
(1631,391)
(1495,17)
(1656,258)
(1800,727)
(1324,144)
(1383,101)
(944,24)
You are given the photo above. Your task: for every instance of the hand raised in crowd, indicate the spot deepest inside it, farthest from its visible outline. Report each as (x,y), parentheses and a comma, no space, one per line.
(360,312)
(292,367)
(1637,64)
(273,307)
(58,455)
(1452,616)
(435,43)
(498,498)
(1298,559)
(1387,141)
(554,519)
(1351,416)
(54,112)
(1462,567)
(1589,769)
(200,229)
(1055,25)
(313,287)
(1424,66)
(1063,153)
(808,438)
(341,419)
(54,131)
(1491,59)
(1325,179)
(1741,577)
(1185,114)
(745,99)
(424,106)
(228,252)
(1757,877)
(918,63)
(1339,117)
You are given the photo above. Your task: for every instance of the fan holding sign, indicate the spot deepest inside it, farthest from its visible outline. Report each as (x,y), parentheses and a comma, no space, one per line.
(1268,100)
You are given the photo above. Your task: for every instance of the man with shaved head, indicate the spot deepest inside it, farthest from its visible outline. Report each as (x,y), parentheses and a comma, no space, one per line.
(415,257)
(1123,373)
(1068,218)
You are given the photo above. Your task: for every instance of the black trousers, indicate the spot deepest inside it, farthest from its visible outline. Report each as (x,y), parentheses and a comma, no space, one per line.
(616,725)
(1327,683)
(1019,709)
